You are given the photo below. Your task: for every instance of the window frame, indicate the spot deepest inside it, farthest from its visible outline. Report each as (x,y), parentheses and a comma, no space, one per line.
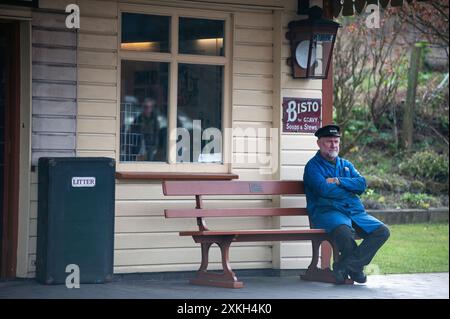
(173,58)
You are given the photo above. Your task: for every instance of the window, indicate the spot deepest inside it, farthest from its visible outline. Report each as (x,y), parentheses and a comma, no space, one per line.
(199,99)
(143,112)
(173,88)
(142,32)
(201,36)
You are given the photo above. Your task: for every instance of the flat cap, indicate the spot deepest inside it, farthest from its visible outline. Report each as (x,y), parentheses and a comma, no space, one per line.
(328,130)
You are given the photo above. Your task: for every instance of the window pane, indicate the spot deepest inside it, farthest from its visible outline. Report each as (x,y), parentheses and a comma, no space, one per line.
(320,50)
(143,111)
(201,36)
(143,32)
(199,109)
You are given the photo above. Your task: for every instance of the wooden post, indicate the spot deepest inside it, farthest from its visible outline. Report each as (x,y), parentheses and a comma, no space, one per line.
(409,110)
(327,84)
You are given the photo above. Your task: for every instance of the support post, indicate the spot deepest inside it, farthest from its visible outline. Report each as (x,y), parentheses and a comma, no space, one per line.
(409,107)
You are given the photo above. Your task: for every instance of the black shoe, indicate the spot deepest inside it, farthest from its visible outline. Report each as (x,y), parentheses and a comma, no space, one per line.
(340,275)
(358,276)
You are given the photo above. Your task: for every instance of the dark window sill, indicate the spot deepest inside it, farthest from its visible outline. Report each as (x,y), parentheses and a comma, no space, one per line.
(175,176)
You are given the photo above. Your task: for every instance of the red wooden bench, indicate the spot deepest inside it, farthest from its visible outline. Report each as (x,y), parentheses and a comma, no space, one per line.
(224,238)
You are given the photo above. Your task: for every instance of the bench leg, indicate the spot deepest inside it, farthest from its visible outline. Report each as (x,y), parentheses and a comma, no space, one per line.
(226,279)
(205,256)
(313,273)
(326,250)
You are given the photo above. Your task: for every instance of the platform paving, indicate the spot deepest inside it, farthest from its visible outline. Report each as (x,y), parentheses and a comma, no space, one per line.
(406,286)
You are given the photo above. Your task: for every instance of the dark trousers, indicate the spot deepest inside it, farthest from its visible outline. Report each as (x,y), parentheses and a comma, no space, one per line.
(351,256)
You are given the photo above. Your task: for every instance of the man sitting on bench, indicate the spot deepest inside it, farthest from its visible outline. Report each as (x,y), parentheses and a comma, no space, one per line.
(332,186)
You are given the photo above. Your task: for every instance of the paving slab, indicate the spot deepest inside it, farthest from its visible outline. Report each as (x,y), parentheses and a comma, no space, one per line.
(405,286)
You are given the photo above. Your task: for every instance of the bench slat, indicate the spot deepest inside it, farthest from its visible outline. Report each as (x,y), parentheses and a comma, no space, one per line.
(183,188)
(252,232)
(234,212)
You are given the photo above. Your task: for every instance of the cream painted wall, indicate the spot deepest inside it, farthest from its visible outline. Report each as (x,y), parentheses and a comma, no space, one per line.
(144,240)
(295,148)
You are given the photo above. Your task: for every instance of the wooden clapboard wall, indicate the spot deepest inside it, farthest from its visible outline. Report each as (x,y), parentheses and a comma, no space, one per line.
(74,83)
(97,79)
(54,99)
(295,149)
(54,86)
(144,240)
(252,91)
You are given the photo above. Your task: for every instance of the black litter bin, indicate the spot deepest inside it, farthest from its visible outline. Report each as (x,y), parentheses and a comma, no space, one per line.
(75,218)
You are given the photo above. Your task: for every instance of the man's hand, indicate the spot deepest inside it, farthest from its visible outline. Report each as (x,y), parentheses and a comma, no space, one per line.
(333,180)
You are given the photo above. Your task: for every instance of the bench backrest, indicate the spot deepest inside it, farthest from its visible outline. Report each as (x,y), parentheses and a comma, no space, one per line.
(200,188)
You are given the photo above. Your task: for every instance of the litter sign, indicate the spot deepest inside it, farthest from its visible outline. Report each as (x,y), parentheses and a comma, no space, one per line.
(83,181)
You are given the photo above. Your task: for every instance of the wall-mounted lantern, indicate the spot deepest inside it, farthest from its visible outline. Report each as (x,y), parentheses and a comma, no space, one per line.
(312,42)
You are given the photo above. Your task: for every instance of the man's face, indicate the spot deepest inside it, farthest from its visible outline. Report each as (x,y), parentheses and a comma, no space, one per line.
(148,108)
(329,146)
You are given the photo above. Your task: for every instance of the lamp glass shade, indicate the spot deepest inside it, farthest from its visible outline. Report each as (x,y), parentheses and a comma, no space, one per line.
(322,46)
(302,54)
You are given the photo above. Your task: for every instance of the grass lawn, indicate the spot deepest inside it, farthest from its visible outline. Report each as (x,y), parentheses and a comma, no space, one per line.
(413,248)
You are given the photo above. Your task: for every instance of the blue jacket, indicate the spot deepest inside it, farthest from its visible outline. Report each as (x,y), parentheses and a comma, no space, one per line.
(331,205)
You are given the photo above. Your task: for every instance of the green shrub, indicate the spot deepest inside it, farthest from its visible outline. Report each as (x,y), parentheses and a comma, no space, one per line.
(373,200)
(417,186)
(436,187)
(399,184)
(394,183)
(426,165)
(418,200)
(375,182)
